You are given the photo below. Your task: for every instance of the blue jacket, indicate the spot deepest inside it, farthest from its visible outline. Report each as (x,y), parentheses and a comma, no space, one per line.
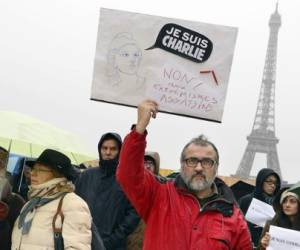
(112,213)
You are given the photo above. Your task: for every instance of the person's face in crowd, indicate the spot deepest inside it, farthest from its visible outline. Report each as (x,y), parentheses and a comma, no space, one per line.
(41,174)
(269,185)
(2,163)
(27,173)
(3,158)
(199,176)
(128,58)
(109,149)
(290,206)
(149,165)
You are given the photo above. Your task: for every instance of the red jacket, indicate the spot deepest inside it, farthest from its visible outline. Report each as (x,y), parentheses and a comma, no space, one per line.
(174,218)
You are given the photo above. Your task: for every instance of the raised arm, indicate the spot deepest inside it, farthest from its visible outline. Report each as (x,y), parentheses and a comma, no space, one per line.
(146,110)
(139,185)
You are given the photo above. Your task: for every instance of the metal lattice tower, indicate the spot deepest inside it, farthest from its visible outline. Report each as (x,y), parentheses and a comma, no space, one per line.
(262,138)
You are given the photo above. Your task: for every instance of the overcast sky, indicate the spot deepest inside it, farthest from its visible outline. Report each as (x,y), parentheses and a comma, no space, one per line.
(47,50)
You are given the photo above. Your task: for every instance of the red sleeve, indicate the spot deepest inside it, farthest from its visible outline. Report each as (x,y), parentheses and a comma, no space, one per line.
(138,184)
(243,237)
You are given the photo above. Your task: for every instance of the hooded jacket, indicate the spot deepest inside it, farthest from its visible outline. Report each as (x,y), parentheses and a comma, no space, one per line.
(258,193)
(155,156)
(112,213)
(135,240)
(174,217)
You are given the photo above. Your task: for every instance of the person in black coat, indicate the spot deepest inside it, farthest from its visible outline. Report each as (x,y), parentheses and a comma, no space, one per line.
(267,186)
(112,213)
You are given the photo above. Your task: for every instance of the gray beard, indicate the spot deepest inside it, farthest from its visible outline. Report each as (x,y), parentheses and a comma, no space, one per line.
(196,186)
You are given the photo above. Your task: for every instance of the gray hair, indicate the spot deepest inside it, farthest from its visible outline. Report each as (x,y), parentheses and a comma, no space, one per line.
(201,140)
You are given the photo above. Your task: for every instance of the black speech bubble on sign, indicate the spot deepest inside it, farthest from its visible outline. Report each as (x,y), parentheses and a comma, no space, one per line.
(183,42)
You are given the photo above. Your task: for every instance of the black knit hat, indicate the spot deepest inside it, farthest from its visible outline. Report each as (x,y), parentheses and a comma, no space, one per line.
(55,160)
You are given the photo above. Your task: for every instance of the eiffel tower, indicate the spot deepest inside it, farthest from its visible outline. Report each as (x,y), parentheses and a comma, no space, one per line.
(262,138)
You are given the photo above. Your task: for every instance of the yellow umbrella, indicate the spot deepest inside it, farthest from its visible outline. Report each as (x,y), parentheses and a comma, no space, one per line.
(27,136)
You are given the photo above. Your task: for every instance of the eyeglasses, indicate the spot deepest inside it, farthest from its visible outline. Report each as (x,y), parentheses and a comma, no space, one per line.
(149,163)
(39,170)
(205,162)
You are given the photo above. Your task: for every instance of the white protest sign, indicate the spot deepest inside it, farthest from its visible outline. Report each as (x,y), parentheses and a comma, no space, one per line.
(283,239)
(259,212)
(183,65)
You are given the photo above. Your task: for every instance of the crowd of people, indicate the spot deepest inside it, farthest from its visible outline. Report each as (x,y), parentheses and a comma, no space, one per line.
(124,203)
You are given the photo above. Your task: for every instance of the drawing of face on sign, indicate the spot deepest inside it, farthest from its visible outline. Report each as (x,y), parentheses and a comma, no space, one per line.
(123,60)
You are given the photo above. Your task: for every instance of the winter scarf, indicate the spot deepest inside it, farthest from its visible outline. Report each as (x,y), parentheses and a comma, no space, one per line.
(109,167)
(40,195)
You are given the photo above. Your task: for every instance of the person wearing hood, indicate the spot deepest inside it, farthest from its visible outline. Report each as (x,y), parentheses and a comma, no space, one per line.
(113,215)
(267,186)
(52,206)
(151,163)
(191,212)
(287,215)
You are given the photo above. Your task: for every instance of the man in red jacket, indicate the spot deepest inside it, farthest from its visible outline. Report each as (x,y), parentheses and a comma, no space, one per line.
(196,210)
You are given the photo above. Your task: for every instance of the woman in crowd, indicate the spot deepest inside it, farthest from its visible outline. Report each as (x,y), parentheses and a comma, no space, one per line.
(286,206)
(50,186)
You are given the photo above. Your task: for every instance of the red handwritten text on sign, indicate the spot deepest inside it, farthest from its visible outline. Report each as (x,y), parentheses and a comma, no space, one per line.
(183,90)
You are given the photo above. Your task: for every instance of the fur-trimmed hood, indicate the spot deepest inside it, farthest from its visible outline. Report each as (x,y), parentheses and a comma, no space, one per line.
(155,156)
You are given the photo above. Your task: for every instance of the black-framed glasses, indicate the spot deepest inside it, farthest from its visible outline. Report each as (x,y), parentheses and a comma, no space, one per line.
(192,162)
(149,163)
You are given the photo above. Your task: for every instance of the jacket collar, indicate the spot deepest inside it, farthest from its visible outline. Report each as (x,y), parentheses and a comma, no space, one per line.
(223,191)
(108,167)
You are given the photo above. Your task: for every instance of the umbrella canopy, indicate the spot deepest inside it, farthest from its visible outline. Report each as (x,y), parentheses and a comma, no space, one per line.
(27,136)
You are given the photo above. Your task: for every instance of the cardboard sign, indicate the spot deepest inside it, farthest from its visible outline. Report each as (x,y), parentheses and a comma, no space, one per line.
(182,65)
(259,212)
(283,239)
